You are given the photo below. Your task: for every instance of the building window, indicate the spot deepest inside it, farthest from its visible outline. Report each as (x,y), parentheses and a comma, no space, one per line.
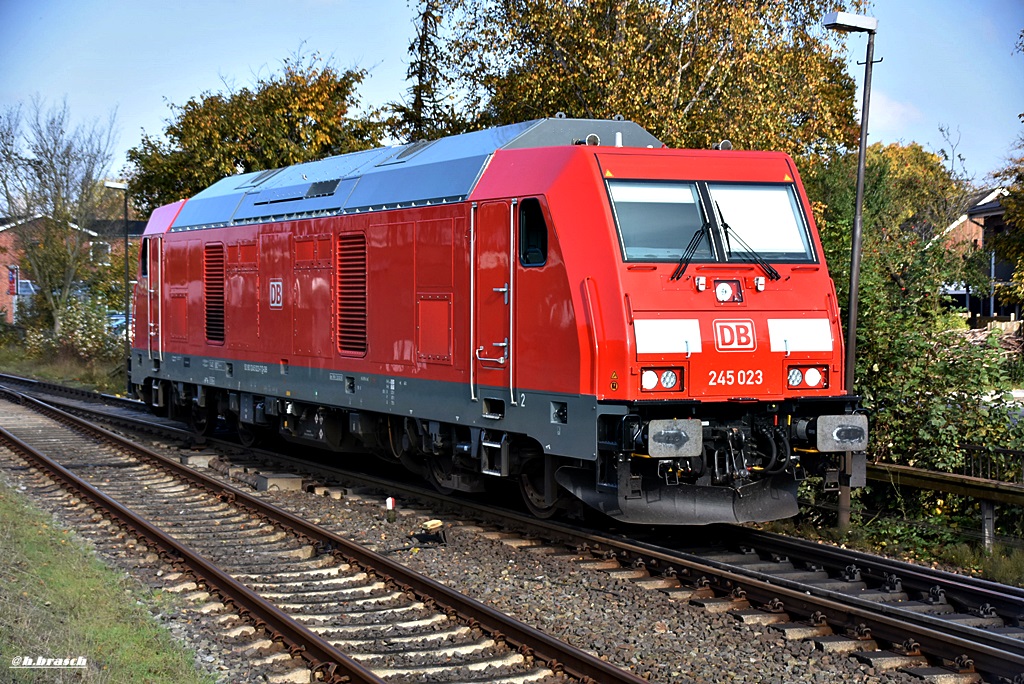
(101,253)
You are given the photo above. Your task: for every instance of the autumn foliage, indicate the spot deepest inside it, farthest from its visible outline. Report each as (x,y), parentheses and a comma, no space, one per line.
(301,114)
(764,75)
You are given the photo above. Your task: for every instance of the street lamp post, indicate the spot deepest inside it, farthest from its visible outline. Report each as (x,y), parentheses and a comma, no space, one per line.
(854,23)
(846,22)
(127,280)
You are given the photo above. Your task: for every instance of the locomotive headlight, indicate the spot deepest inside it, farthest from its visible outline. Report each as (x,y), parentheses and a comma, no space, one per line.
(808,377)
(661,379)
(723,291)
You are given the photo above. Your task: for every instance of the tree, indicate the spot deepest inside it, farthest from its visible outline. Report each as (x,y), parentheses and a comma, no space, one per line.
(1010,244)
(426,113)
(921,378)
(51,174)
(764,75)
(302,114)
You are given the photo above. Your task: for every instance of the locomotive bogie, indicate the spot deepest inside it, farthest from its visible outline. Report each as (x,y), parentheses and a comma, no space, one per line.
(652,331)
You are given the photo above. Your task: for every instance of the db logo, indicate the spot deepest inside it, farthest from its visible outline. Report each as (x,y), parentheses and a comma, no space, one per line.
(735,335)
(276,294)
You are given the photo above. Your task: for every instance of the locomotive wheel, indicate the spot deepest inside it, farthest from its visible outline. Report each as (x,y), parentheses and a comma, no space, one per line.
(439,470)
(202,419)
(531,486)
(248,435)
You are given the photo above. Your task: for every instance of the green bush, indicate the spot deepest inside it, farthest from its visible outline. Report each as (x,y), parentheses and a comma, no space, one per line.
(84,335)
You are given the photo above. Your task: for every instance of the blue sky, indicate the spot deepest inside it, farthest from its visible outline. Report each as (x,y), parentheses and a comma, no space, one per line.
(945,62)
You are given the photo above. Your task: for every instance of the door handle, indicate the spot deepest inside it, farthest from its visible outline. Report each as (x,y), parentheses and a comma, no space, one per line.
(503,290)
(501,360)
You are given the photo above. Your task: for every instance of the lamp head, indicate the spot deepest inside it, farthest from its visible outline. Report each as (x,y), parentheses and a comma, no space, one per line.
(848,22)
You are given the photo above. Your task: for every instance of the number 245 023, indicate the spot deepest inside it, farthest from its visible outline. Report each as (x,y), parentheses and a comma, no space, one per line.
(735,377)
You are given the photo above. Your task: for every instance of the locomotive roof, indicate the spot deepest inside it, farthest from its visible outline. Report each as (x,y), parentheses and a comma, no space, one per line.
(425,172)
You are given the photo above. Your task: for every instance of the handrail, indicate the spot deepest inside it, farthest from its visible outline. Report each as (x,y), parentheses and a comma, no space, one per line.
(987,492)
(511,300)
(952,483)
(472,301)
(593,331)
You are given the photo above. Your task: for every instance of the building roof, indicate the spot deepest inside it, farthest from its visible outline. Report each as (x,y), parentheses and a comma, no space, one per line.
(7,222)
(981,205)
(992,205)
(426,172)
(115,227)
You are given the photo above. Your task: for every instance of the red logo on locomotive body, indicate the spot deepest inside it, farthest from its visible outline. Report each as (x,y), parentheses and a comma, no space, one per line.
(735,335)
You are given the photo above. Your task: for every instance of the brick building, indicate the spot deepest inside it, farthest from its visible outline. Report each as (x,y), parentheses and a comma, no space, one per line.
(105,237)
(975,229)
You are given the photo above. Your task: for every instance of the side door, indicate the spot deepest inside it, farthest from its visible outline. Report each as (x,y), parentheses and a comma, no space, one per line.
(493,292)
(151,279)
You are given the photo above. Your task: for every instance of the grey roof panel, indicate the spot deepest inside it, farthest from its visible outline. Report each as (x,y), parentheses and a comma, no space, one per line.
(208,208)
(261,206)
(441,181)
(558,132)
(436,171)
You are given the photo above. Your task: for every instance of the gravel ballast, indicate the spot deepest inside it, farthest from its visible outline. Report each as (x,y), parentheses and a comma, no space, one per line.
(641,629)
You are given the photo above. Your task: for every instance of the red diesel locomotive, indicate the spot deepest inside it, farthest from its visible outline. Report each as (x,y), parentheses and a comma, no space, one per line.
(564,302)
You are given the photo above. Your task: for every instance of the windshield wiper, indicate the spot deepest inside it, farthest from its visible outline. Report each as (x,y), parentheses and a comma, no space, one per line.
(769,270)
(691,249)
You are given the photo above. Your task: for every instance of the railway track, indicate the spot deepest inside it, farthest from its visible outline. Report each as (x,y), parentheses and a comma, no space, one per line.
(935,625)
(349,613)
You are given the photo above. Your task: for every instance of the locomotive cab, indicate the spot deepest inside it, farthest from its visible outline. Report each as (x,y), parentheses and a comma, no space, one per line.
(730,371)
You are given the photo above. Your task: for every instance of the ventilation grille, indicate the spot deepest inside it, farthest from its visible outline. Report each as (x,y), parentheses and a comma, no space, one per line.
(352,293)
(213,283)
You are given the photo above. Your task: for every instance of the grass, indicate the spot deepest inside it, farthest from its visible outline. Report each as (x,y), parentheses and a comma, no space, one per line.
(108,378)
(1003,565)
(57,600)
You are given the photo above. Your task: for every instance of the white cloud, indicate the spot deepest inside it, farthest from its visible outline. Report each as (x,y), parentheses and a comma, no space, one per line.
(891,120)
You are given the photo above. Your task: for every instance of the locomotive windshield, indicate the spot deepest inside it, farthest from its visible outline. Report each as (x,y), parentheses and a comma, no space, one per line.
(657,220)
(766,219)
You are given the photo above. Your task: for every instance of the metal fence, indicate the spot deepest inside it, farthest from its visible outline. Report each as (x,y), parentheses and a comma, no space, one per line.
(1002,465)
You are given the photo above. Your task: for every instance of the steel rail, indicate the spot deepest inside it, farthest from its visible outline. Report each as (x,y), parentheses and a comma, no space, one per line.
(971,591)
(557,655)
(993,653)
(72,392)
(320,654)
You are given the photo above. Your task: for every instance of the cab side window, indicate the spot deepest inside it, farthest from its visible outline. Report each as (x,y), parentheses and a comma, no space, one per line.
(144,259)
(533,233)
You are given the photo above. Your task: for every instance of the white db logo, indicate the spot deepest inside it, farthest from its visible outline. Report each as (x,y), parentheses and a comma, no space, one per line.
(276,294)
(735,335)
